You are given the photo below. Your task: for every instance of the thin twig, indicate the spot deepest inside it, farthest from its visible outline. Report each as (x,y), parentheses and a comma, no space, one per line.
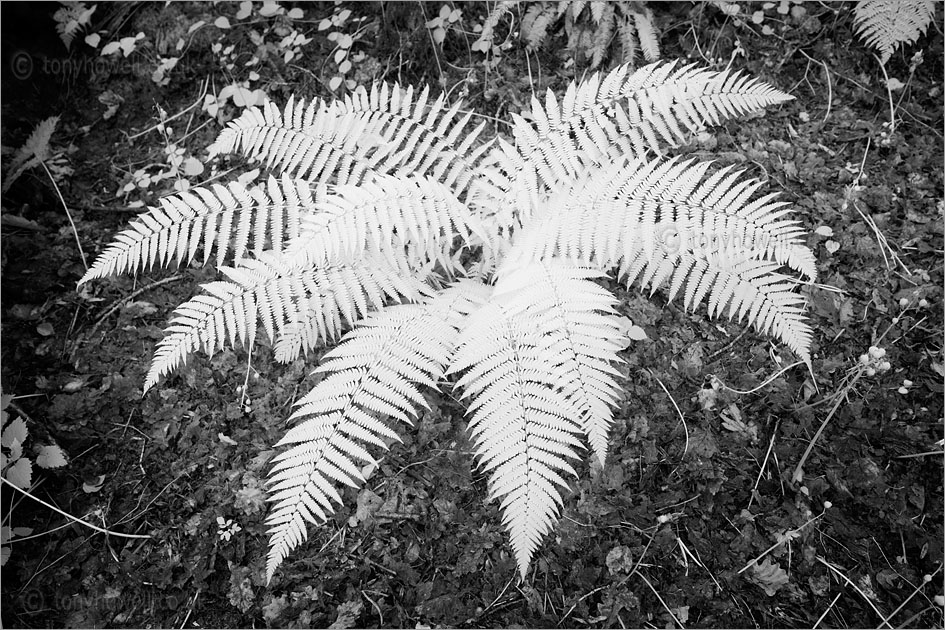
(117,305)
(799,469)
(892,108)
(683,419)
(199,101)
(190,609)
(763,385)
(846,386)
(764,464)
(75,231)
(914,455)
(856,588)
(925,580)
(678,622)
(826,612)
(829,90)
(787,538)
(74,518)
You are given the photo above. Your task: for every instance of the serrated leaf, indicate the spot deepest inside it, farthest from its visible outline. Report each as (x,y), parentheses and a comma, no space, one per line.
(15,431)
(51,456)
(20,474)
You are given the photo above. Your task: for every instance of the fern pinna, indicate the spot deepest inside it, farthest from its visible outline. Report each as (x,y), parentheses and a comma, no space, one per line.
(449,257)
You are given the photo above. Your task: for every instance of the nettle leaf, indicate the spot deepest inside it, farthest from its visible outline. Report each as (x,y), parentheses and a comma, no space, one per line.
(51,456)
(20,474)
(15,432)
(387,221)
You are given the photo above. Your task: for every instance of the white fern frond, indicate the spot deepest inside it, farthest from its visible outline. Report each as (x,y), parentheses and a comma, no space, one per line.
(665,222)
(538,18)
(386,131)
(646,31)
(621,114)
(670,205)
(885,24)
(270,292)
(383,216)
(374,373)
(746,288)
(228,218)
(33,151)
(627,29)
(577,312)
(602,14)
(70,19)
(525,428)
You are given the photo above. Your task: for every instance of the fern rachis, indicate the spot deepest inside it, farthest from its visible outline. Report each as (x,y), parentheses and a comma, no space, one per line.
(448,259)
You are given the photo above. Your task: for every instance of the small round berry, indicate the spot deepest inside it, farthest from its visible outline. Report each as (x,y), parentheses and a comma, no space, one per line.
(884,366)
(923,303)
(870,372)
(903,302)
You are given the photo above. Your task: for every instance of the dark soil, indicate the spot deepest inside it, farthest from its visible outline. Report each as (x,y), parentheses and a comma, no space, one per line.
(659,537)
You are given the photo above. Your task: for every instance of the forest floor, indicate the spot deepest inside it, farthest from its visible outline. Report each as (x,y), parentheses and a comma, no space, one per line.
(700,480)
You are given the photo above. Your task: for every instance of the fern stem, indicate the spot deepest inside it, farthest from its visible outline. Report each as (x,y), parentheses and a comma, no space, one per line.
(892,108)
(74,518)
(75,232)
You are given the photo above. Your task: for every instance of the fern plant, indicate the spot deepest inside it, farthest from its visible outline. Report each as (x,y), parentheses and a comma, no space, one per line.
(885,24)
(591,35)
(452,259)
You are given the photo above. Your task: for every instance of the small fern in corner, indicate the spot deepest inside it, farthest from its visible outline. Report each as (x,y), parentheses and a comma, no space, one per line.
(447,257)
(591,31)
(885,24)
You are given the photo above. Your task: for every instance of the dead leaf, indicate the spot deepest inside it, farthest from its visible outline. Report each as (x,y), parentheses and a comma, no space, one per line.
(769,576)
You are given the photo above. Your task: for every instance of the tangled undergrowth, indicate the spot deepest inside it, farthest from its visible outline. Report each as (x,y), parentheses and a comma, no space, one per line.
(735,494)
